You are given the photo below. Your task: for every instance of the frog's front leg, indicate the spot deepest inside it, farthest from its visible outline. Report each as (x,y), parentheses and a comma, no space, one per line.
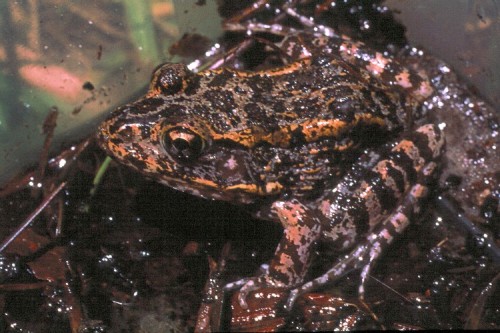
(292,256)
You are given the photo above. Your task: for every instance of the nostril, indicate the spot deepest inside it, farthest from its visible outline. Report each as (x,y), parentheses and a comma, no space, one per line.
(126,131)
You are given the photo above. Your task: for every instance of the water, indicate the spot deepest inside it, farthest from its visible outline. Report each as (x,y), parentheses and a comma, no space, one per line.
(83,59)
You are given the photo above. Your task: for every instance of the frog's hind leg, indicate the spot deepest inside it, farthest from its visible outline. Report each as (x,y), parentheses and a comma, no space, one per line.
(365,255)
(422,148)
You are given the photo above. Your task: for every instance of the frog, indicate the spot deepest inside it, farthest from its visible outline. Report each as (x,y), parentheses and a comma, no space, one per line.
(333,145)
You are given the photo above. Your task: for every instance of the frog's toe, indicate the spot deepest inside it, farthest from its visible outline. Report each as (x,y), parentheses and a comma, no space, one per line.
(247,288)
(294,294)
(232,286)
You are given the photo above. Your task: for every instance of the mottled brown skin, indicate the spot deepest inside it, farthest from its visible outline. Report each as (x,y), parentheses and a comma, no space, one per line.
(331,145)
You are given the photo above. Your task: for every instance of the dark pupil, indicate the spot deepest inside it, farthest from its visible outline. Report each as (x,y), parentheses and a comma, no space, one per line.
(183,144)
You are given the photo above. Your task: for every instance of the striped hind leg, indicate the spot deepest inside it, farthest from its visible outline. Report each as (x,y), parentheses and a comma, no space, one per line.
(365,255)
(414,159)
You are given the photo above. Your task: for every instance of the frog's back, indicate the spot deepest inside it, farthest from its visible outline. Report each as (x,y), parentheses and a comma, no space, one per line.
(318,90)
(236,135)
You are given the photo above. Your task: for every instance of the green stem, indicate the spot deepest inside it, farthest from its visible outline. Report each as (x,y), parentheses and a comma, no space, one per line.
(100,173)
(142,32)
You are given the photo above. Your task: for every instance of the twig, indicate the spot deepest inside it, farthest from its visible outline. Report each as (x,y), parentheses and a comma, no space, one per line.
(32,216)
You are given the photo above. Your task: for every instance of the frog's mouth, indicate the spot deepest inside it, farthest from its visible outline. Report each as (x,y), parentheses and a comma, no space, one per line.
(222,175)
(236,194)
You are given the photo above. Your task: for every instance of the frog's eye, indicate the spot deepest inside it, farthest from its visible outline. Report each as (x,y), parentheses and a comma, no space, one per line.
(168,79)
(183,144)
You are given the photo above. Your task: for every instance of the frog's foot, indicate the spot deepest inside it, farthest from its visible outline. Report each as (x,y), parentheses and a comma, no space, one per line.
(247,285)
(232,286)
(362,256)
(235,285)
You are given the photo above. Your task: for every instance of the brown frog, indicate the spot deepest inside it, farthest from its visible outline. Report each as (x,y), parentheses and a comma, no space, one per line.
(333,145)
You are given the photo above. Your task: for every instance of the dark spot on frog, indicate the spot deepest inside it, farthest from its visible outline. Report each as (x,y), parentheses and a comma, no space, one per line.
(298,83)
(126,134)
(145,132)
(120,119)
(360,216)
(343,109)
(220,79)
(397,176)
(193,85)
(219,121)
(298,138)
(220,100)
(279,107)
(255,111)
(147,105)
(175,110)
(407,163)
(305,108)
(383,109)
(422,141)
(386,197)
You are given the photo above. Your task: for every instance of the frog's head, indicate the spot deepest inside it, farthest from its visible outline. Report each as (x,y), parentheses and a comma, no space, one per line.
(166,137)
